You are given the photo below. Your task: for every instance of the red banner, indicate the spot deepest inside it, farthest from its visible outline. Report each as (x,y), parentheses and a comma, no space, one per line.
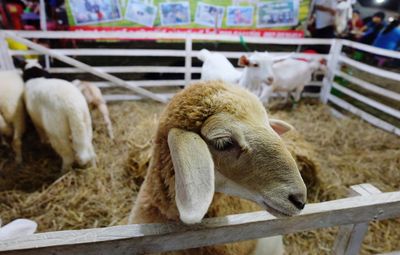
(225,31)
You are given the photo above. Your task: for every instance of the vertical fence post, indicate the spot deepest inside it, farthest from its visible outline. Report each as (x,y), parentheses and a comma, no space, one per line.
(6,61)
(188,59)
(350,237)
(43,27)
(333,61)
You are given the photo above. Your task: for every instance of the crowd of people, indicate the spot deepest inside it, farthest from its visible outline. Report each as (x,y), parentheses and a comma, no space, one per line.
(371,30)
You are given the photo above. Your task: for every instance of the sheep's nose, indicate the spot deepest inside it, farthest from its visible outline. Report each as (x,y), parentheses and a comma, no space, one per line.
(270,80)
(298,200)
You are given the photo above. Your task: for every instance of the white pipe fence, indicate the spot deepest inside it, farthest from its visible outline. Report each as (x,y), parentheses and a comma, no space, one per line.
(336,59)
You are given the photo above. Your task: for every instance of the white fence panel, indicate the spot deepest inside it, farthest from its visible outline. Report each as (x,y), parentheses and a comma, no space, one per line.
(335,58)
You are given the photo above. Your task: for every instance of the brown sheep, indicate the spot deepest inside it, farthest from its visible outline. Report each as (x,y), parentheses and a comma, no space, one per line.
(213,137)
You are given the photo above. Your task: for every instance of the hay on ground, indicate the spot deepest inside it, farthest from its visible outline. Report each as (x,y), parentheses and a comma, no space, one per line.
(332,155)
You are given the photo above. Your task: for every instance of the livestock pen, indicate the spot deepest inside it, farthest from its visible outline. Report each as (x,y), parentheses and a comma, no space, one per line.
(337,152)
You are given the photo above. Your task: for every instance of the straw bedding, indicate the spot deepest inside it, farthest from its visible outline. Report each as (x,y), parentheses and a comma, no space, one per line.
(332,154)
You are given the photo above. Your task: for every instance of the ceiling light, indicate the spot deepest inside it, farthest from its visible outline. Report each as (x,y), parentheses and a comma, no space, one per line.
(379,1)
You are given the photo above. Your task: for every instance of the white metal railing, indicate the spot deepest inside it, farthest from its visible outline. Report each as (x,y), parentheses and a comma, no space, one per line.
(336,58)
(340,59)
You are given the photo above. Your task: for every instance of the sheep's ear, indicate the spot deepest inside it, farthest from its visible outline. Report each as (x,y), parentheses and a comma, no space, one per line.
(194,174)
(244,61)
(279,126)
(282,58)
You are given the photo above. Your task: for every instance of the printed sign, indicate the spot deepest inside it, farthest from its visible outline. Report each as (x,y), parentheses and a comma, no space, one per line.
(92,11)
(277,13)
(240,16)
(141,13)
(209,15)
(260,18)
(176,13)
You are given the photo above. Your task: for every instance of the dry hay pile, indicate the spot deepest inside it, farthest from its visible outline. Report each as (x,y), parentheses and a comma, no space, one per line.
(332,154)
(349,152)
(84,198)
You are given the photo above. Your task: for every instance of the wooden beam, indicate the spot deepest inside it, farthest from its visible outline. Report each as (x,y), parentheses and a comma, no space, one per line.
(350,237)
(150,238)
(85,67)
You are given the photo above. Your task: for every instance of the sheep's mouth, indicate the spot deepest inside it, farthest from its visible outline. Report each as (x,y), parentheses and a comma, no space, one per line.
(275,211)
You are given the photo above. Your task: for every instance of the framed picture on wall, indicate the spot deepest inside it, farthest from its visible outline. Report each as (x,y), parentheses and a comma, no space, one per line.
(94,11)
(141,13)
(240,16)
(209,15)
(175,13)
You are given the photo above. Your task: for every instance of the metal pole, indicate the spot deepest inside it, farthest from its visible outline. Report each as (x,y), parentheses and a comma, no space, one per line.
(43,27)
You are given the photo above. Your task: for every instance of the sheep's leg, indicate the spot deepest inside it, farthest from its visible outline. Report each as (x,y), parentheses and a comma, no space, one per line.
(106,116)
(17,144)
(19,129)
(63,148)
(42,134)
(5,129)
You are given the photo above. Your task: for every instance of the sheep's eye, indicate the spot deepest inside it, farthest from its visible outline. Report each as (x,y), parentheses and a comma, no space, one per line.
(255,65)
(223,143)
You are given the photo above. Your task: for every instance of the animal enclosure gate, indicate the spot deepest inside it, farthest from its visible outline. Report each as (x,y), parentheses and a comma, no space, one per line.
(352,214)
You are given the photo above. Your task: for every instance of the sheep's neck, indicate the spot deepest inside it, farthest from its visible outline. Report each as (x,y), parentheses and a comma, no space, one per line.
(156,199)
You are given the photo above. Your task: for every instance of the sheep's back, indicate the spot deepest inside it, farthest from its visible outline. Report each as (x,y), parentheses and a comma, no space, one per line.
(11,91)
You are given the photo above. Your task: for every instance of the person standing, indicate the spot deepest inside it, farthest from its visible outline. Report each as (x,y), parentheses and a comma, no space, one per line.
(324,18)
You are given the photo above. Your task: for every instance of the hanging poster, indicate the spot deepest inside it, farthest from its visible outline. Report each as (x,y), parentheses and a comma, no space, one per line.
(175,13)
(94,11)
(141,13)
(241,16)
(277,13)
(209,15)
(259,18)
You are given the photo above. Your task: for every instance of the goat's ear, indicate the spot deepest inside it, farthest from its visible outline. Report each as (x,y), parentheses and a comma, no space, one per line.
(194,174)
(243,61)
(280,126)
(282,58)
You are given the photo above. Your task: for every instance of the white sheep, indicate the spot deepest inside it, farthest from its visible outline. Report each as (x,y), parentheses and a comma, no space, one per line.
(60,115)
(214,137)
(256,73)
(12,111)
(17,228)
(291,75)
(95,99)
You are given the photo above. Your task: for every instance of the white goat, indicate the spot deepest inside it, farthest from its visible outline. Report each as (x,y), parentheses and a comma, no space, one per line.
(60,114)
(257,69)
(12,111)
(95,99)
(292,75)
(17,228)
